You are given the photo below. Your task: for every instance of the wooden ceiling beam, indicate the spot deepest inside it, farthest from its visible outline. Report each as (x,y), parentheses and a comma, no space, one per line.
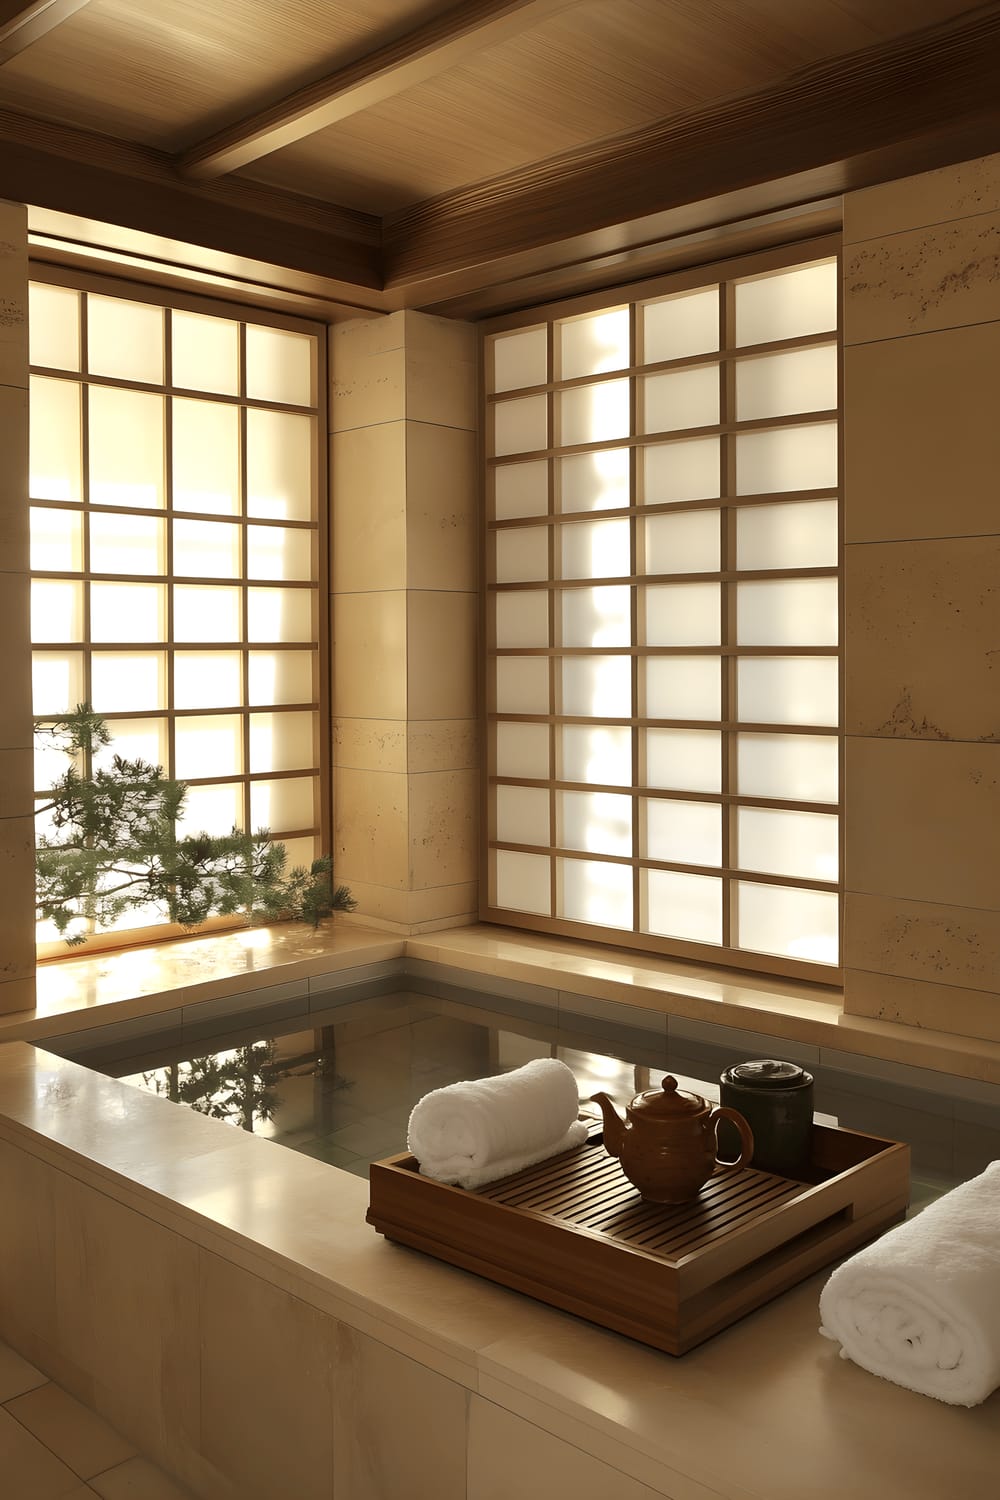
(25,21)
(421,54)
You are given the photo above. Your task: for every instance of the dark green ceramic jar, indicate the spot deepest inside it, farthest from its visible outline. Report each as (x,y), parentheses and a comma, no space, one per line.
(776,1099)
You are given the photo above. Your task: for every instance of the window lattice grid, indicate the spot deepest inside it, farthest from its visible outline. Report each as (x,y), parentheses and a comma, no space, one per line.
(174,478)
(663,618)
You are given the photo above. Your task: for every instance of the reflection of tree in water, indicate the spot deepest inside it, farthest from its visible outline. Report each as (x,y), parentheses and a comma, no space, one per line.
(236,1086)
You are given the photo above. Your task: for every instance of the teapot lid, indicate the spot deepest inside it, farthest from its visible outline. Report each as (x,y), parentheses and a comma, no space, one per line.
(668,1102)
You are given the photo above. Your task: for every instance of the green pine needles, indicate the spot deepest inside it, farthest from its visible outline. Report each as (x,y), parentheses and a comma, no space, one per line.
(111,847)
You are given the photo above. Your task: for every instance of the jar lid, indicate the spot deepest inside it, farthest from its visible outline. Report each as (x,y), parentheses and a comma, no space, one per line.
(767,1073)
(669,1102)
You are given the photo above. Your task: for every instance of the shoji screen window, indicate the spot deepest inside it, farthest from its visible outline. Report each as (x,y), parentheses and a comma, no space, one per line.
(175,474)
(662,616)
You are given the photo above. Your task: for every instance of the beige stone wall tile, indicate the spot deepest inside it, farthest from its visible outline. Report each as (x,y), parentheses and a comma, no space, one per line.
(368,508)
(15,662)
(923,1004)
(446,339)
(922,446)
(17,898)
(370,819)
(921,820)
(27,1247)
(442,508)
(385,905)
(13,479)
(367,389)
(954,192)
(953,945)
(369,656)
(510,1456)
(442,652)
(442,745)
(16,783)
(445,392)
(944,276)
(410,911)
(444,825)
(923,639)
(17,995)
(443,903)
(370,744)
(358,338)
(268,1436)
(13,295)
(399,1428)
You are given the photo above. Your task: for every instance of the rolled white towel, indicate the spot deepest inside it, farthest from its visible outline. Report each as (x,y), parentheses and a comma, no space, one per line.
(474,1133)
(921,1306)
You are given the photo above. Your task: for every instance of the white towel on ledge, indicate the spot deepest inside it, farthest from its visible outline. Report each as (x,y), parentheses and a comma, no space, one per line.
(921,1306)
(473,1133)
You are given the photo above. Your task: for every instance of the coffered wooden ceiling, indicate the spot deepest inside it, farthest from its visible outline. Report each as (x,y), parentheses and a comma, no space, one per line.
(393,152)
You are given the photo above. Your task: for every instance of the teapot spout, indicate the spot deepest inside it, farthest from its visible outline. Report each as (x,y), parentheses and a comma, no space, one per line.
(614,1125)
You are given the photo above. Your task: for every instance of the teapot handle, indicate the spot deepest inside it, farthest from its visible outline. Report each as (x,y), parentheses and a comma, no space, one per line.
(723,1112)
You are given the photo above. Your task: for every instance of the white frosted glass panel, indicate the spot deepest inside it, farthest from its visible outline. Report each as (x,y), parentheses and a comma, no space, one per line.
(789,458)
(128,612)
(288,803)
(792,924)
(595,549)
(279,366)
(597,617)
(125,339)
(522,685)
(787,843)
(788,690)
(779,385)
(594,413)
(134,739)
(597,822)
(522,618)
(599,753)
(279,552)
(206,549)
(683,906)
(683,833)
(521,490)
(685,543)
(681,398)
(214,810)
(684,760)
(205,353)
(129,680)
(522,554)
(126,544)
(281,677)
(681,325)
(53,327)
(520,359)
(597,687)
(522,815)
(208,745)
(300,853)
(687,470)
(206,614)
(126,448)
(683,687)
(56,682)
(56,540)
(523,882)
(590,891)
(683,614)
(206,443)
(787,612)
(49,765)
(591,345)
(283,742)
(521,425)
(801,767)
(594,481)
(207,679)
(787,305)
(523,750)
(280,614)
(55,463)
(787,536)
(56,610)
(280,479)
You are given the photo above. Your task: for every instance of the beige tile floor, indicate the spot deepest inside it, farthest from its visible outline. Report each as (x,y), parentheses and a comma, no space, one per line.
(52,1448)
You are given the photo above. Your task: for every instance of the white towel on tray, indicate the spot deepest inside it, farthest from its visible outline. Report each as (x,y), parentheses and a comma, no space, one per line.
(921,1306)
(473,1133)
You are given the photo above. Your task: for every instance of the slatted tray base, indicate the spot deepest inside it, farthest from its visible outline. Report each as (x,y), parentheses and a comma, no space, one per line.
(574,1232)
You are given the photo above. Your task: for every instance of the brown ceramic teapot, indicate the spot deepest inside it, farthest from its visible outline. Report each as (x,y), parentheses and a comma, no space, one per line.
(667,1143)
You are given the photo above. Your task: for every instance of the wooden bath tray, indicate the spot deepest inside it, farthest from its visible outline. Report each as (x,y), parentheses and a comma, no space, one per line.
(573,1232)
